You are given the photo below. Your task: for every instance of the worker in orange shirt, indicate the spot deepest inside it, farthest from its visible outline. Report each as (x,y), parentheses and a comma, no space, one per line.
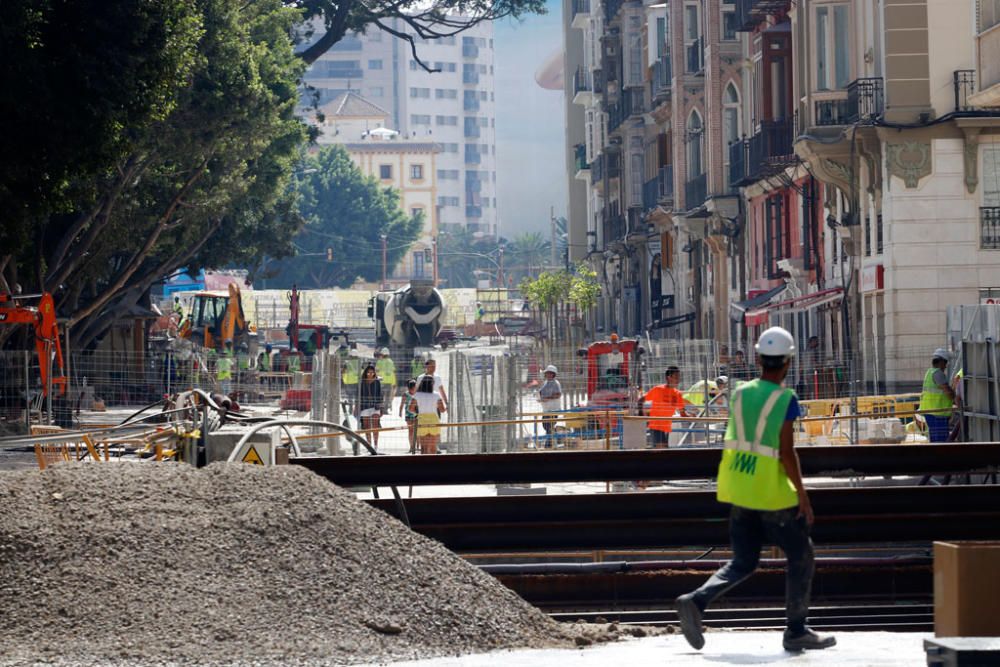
(665,400)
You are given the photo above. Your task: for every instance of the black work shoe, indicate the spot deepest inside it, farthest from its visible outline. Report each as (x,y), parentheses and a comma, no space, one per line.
(690,617)
(808,640)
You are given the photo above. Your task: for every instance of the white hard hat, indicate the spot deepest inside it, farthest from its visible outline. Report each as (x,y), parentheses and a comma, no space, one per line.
(942,353)
(775,342)
(722,379)
(384,351)
(552,369)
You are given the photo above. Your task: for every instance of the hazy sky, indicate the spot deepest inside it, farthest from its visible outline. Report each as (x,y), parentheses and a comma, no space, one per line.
(530,132)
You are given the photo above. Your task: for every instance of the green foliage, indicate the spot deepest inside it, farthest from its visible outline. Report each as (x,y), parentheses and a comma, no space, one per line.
(461,254)
(584,290)
(348,213)
(194,137)
(527,254)
(551,288)
(409,20)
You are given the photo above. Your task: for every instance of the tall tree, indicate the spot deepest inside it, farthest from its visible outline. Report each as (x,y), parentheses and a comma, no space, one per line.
(461,255)
(346,214)
(409,20)
(202,181)
(527,253)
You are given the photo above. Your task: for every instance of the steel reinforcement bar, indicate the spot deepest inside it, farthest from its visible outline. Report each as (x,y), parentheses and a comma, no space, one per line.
(662,464)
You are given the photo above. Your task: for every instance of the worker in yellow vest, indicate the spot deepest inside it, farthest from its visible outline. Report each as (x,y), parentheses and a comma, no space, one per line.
(937,397)
(386,370)
(760,477)
(224,369)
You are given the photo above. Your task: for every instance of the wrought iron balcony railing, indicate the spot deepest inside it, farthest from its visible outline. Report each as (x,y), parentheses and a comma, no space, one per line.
(665,183)
(696,191)
(965,85)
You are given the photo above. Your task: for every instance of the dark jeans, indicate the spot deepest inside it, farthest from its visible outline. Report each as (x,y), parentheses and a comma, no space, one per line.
(749,530)
(937,428)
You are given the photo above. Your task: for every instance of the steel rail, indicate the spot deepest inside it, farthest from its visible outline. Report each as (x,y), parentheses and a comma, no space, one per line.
(661,464)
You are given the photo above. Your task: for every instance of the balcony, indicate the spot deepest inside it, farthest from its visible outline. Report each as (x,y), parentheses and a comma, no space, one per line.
(964,82)
(737,163)
(473,211)
(614,228)
(473,186)
(580,160)
(597,81)
(611,8)
(749,13)
(471,103)
(616,116)
(650,194)
(665,184)
(581,13)
(694,56)
(696,192)
(989,224)
(661,80)
(633,102)
(472,131)
(597,169)
(582,87)
(472,155)
(470,77)
(864,102)
(768,150)
(470,51)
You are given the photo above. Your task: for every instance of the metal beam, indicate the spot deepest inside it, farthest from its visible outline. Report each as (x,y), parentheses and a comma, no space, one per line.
(666,464)
(676,519)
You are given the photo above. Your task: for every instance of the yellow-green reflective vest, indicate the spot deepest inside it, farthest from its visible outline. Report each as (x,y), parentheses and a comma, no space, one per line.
(294,363)
(224,368)
(386,370)
(352,371)
(932,397)
(751,474)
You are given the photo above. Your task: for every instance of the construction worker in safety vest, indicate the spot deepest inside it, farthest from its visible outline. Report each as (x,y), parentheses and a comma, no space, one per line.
(224,369)
(937,397)
(760,477)
(385,368)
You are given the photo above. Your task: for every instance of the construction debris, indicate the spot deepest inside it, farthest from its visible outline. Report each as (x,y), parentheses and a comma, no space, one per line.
(234,564)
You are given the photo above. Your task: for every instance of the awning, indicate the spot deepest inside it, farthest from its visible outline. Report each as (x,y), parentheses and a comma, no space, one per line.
(798,304)
(740,308)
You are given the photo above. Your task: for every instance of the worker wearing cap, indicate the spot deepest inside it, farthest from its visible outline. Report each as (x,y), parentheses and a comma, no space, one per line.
(386,370)
(760,477)
(937,397)
(665,400)
(550,395)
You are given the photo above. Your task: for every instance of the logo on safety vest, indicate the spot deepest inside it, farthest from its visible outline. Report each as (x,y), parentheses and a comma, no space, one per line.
(252,457)
(745,463)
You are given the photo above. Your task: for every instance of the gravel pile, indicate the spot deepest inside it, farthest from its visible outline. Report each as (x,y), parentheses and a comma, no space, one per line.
(234,564)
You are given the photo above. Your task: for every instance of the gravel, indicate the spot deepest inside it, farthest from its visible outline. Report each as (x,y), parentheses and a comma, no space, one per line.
(150,564)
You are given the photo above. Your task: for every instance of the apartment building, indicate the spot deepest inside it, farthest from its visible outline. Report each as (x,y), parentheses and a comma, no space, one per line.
(826,165)
(406,164)
(453,107)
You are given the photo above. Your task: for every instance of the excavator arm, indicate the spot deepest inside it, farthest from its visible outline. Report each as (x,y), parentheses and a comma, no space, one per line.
(43,320)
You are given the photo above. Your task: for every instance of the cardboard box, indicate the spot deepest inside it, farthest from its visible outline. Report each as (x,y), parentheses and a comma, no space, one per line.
(966,581)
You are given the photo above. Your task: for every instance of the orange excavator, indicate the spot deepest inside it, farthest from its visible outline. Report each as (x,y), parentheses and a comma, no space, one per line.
(42,318)
(217,317)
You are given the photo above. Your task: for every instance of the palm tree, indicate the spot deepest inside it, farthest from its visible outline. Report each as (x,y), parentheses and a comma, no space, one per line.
(527,254)
(460,254)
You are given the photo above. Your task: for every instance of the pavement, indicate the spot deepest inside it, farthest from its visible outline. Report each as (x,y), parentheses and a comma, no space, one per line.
(856,649)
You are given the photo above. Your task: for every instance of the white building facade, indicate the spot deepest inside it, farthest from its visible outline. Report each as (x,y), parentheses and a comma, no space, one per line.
(453,107)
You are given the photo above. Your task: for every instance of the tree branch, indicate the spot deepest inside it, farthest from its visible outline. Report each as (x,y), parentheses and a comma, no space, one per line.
(335,29)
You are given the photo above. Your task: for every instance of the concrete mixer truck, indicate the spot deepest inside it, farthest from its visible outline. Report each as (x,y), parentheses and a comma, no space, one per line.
(408,317)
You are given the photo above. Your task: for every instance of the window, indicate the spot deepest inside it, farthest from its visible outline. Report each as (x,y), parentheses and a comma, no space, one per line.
(418,264)
(416,212)
(694,47)
(694,141)
(339,69)
(449,148)
(989,14)
(347,43)
(417,172)
(374,64)
(729,25)
(385,171)
(420,93)
(449,201)
(446,93)
(420,119)
(447,174)
(661,36)
(730,124)
(445,67)
(832,47)
(777,238)
(376,91)
(446,120)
